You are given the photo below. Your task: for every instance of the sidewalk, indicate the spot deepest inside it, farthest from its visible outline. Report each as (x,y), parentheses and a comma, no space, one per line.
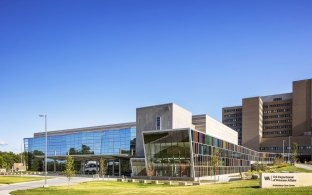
(57,181)
(304,166)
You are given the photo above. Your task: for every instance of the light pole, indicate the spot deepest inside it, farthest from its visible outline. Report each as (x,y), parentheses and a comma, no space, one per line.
(289,149)
(283,150)
(46,150)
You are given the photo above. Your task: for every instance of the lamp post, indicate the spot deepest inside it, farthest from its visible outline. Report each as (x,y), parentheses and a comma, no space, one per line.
(46,150)
(289,149)
(283,150)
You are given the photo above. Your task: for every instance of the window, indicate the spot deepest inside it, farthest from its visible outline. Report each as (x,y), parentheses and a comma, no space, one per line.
(158,123)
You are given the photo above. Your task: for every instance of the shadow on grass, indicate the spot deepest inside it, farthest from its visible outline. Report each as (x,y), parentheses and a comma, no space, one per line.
(247,187)
(235,179)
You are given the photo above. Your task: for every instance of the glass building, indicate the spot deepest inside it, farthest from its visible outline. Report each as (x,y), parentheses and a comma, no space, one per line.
(165,141)
(190,153)
(112,143)
(168,153)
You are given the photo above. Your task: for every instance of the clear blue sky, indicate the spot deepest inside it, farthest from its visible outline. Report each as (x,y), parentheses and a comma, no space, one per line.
(86,63)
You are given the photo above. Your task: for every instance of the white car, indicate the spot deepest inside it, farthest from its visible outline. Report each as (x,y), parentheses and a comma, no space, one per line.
(90,168)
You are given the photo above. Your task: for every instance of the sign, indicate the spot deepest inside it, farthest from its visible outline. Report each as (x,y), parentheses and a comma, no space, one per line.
(281,180)
(19,167)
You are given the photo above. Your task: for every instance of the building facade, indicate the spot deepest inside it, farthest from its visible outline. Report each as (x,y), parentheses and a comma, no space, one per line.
(272,123)
(188,153)
(116,143)
(166,141)
(232,117)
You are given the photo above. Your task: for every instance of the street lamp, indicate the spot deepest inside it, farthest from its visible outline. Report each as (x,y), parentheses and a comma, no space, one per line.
(283,150)
(46,150)
(288,149)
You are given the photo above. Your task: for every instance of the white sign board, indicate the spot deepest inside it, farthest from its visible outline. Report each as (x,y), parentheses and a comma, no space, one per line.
(281,180)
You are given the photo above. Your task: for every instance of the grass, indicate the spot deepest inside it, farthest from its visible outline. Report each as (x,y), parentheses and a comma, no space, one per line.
(292,169)
(104,187)
(17,179)
(235,187)
(277,169)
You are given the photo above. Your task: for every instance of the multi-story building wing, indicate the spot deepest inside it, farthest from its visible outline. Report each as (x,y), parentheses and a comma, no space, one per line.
(277,115)
(232,117)
(271,122)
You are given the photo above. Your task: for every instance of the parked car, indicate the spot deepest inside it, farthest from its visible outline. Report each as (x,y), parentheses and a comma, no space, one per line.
(90,168)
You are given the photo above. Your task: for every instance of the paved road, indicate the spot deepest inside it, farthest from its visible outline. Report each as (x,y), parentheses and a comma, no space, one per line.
(56,181)
(304,166)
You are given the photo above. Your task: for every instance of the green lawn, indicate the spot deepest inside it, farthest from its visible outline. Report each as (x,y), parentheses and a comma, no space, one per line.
(275,169)
(292,169)
(104,187)
(17,179)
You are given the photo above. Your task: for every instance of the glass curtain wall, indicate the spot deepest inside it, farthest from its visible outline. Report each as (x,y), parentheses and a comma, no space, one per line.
(167,153)
(106,142)
(231,158)
(138,166)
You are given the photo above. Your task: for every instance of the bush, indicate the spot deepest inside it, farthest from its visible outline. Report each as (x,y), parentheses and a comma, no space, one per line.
(259,167)
(282,165)
(278,161)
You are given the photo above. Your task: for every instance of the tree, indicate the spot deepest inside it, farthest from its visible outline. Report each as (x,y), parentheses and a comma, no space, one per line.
(278,160)
(85,149)
(7,159)
(103,167)
(3,163)
(69,168)
(294,153)
(72,151)
(215,161)
(35,163)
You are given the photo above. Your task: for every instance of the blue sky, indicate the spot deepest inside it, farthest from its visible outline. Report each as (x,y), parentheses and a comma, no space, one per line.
(86,63)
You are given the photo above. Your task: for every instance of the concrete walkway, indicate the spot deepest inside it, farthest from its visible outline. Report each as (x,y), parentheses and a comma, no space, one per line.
(304,166)
(56,181)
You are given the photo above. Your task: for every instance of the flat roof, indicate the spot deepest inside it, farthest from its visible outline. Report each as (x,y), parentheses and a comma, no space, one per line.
(199,115)
(231,107)
(88,129)
(166,104)
(270,98)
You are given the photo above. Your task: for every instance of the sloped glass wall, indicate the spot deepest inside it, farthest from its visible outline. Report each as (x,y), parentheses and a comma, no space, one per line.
(168,153)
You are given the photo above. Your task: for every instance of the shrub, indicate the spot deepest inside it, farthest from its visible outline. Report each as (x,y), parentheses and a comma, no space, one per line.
(259,166)
(282,165)
(294,153)
(278,161)
(69,168)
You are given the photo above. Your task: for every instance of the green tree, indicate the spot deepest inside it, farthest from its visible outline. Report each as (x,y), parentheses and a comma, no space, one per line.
(3,163)
(34,162)
(278,160)
(72,151)
(7,159)
(85,149)
(69,168)
(215,161)
(294,153)
(36,165)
